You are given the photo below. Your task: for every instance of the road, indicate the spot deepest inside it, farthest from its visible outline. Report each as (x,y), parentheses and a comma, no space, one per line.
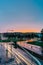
(22,58)
(19,53)
(16,61)
(23,46)
(34,48)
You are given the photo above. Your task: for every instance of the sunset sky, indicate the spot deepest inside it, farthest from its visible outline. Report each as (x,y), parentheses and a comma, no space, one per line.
(21,15)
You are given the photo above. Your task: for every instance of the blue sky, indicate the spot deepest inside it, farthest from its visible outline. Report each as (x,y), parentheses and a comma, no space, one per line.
(21,15)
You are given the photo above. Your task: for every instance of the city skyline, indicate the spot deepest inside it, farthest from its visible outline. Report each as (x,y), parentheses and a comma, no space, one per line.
(21,16)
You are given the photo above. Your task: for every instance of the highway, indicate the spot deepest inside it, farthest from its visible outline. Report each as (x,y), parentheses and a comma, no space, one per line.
(34,48)
(16,61)
(37,60)
(21,57)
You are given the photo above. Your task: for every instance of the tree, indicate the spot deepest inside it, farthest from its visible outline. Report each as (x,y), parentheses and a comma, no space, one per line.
(42,39)
(32,35)
(42,35)
(0,36)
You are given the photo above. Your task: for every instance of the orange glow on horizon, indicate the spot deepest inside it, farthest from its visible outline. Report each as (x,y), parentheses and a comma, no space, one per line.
(24,31)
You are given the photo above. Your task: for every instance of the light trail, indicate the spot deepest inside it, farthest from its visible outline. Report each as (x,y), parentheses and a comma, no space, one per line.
(13,54)
(22,57)
(19,55)
(32,56)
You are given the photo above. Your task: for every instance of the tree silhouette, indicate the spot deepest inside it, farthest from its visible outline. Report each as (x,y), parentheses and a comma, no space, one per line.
(42,39)
(42,35)
(0,36)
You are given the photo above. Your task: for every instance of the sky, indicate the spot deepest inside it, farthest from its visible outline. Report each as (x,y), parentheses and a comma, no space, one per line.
(21,15)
